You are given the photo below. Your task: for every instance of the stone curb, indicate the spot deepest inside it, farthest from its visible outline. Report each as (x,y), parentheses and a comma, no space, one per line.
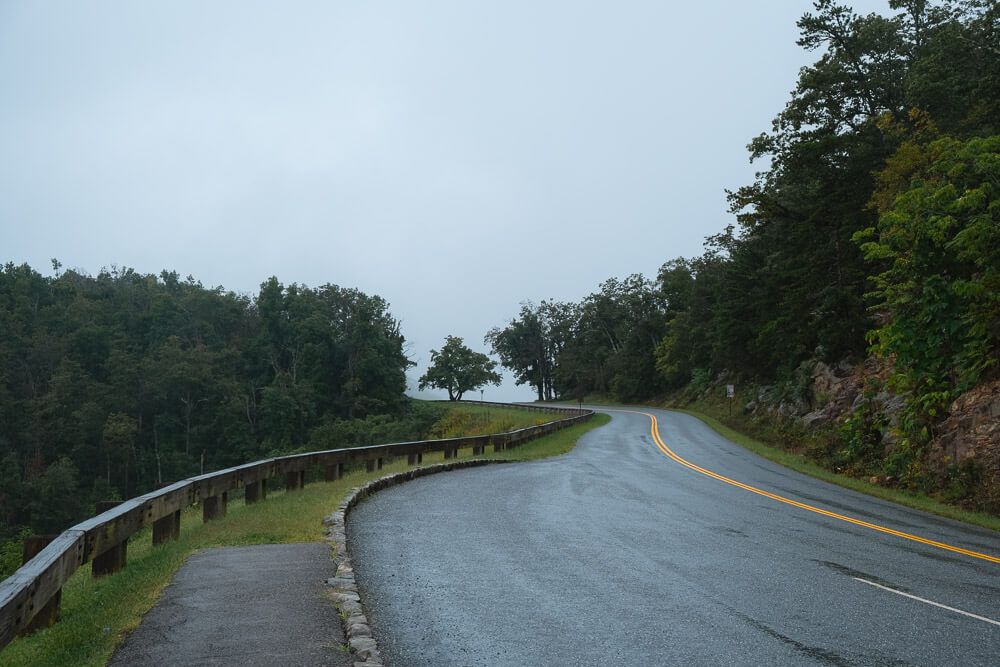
(357,629)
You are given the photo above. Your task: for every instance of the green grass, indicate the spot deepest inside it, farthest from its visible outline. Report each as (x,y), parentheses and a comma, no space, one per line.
(470,419)
(96,613)
(803,464)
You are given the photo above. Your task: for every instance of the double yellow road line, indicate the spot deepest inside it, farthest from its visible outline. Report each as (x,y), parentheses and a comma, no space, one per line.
(662,446)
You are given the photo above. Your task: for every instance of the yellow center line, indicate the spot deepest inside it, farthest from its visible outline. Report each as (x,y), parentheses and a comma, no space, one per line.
(662,446)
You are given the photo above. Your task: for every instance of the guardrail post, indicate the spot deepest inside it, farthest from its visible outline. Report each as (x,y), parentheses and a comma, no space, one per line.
(370,465)
(295,479)
(167,528)
(114,558)
(333,472)
(49,614)
(477,450)
(414,459)
(380,462)
(214,507)
(497,444)
(254,491)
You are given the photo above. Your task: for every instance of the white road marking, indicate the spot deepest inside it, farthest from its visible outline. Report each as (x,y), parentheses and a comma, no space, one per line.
(926,601)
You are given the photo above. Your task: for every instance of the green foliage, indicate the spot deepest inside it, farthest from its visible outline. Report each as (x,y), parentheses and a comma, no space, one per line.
(861,436)
(51,508)
(415,422)
(701,380)
(788,283)
(471,419)
(459,369)
(940,290)
(603,345)
(524,348)
(112,384)
(11,551)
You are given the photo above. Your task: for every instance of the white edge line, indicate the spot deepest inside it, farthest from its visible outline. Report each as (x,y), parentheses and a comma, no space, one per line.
(925,601)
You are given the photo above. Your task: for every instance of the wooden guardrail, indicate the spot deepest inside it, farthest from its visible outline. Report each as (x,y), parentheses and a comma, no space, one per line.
(29,598)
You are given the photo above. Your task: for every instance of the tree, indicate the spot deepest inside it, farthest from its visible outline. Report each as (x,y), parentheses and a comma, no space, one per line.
(523,349)
(458,369)
(132,378)
(119,443)
(939,241)
(53,500)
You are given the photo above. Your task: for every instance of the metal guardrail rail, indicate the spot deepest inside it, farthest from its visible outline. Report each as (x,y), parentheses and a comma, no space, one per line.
(29,598)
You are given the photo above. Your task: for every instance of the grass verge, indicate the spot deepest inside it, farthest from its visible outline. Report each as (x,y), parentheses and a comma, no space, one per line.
(97,613)
(471,419)
(803,464)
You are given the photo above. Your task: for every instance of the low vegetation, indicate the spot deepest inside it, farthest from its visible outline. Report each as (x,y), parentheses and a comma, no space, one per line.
(797,448)
(482,419)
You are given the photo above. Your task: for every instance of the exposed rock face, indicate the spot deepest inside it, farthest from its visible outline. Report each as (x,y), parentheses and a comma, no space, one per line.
(837,390)
(972,431)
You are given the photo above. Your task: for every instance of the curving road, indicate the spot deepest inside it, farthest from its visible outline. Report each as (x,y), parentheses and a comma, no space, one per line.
(619,553)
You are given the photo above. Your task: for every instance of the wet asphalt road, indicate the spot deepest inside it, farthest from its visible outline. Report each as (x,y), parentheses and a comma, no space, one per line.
(616,555)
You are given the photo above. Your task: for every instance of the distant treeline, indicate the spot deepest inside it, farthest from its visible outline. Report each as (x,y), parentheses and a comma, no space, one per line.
(114,383)
(873,228)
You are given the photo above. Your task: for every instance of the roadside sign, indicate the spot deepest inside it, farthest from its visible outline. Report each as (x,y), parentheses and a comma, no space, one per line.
(730,391)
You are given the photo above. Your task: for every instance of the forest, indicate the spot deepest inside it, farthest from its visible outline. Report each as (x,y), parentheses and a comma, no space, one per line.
(113,384)
(870,235)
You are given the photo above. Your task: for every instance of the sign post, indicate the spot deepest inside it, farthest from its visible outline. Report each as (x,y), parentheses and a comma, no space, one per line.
(730,394)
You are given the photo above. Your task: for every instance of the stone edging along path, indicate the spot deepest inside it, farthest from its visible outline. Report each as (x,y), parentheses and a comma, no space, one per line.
(357,629)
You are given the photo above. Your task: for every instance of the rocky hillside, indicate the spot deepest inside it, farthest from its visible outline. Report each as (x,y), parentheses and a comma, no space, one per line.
(851,422)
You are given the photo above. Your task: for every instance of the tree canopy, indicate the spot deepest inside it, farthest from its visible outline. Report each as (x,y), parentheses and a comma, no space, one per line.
(458,369)
(114,383)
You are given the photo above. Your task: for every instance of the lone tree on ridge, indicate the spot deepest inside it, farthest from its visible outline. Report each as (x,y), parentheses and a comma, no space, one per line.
(459,369)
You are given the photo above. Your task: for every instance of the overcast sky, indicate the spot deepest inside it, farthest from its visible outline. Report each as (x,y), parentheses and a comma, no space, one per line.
(454,157)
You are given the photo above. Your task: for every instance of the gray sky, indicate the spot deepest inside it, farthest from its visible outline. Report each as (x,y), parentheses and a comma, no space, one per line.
(455,157)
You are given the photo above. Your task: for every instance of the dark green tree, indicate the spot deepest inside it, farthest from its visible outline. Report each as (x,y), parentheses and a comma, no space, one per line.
(459,369)
(139,379)
(524,350)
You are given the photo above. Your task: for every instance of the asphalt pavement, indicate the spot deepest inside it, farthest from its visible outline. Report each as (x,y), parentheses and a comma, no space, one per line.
(615,554)
(246,606)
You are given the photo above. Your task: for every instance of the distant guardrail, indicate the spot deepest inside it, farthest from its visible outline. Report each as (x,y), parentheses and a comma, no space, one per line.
(30,598)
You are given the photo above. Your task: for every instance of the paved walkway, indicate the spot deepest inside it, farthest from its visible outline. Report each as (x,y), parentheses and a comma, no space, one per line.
(261,605)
